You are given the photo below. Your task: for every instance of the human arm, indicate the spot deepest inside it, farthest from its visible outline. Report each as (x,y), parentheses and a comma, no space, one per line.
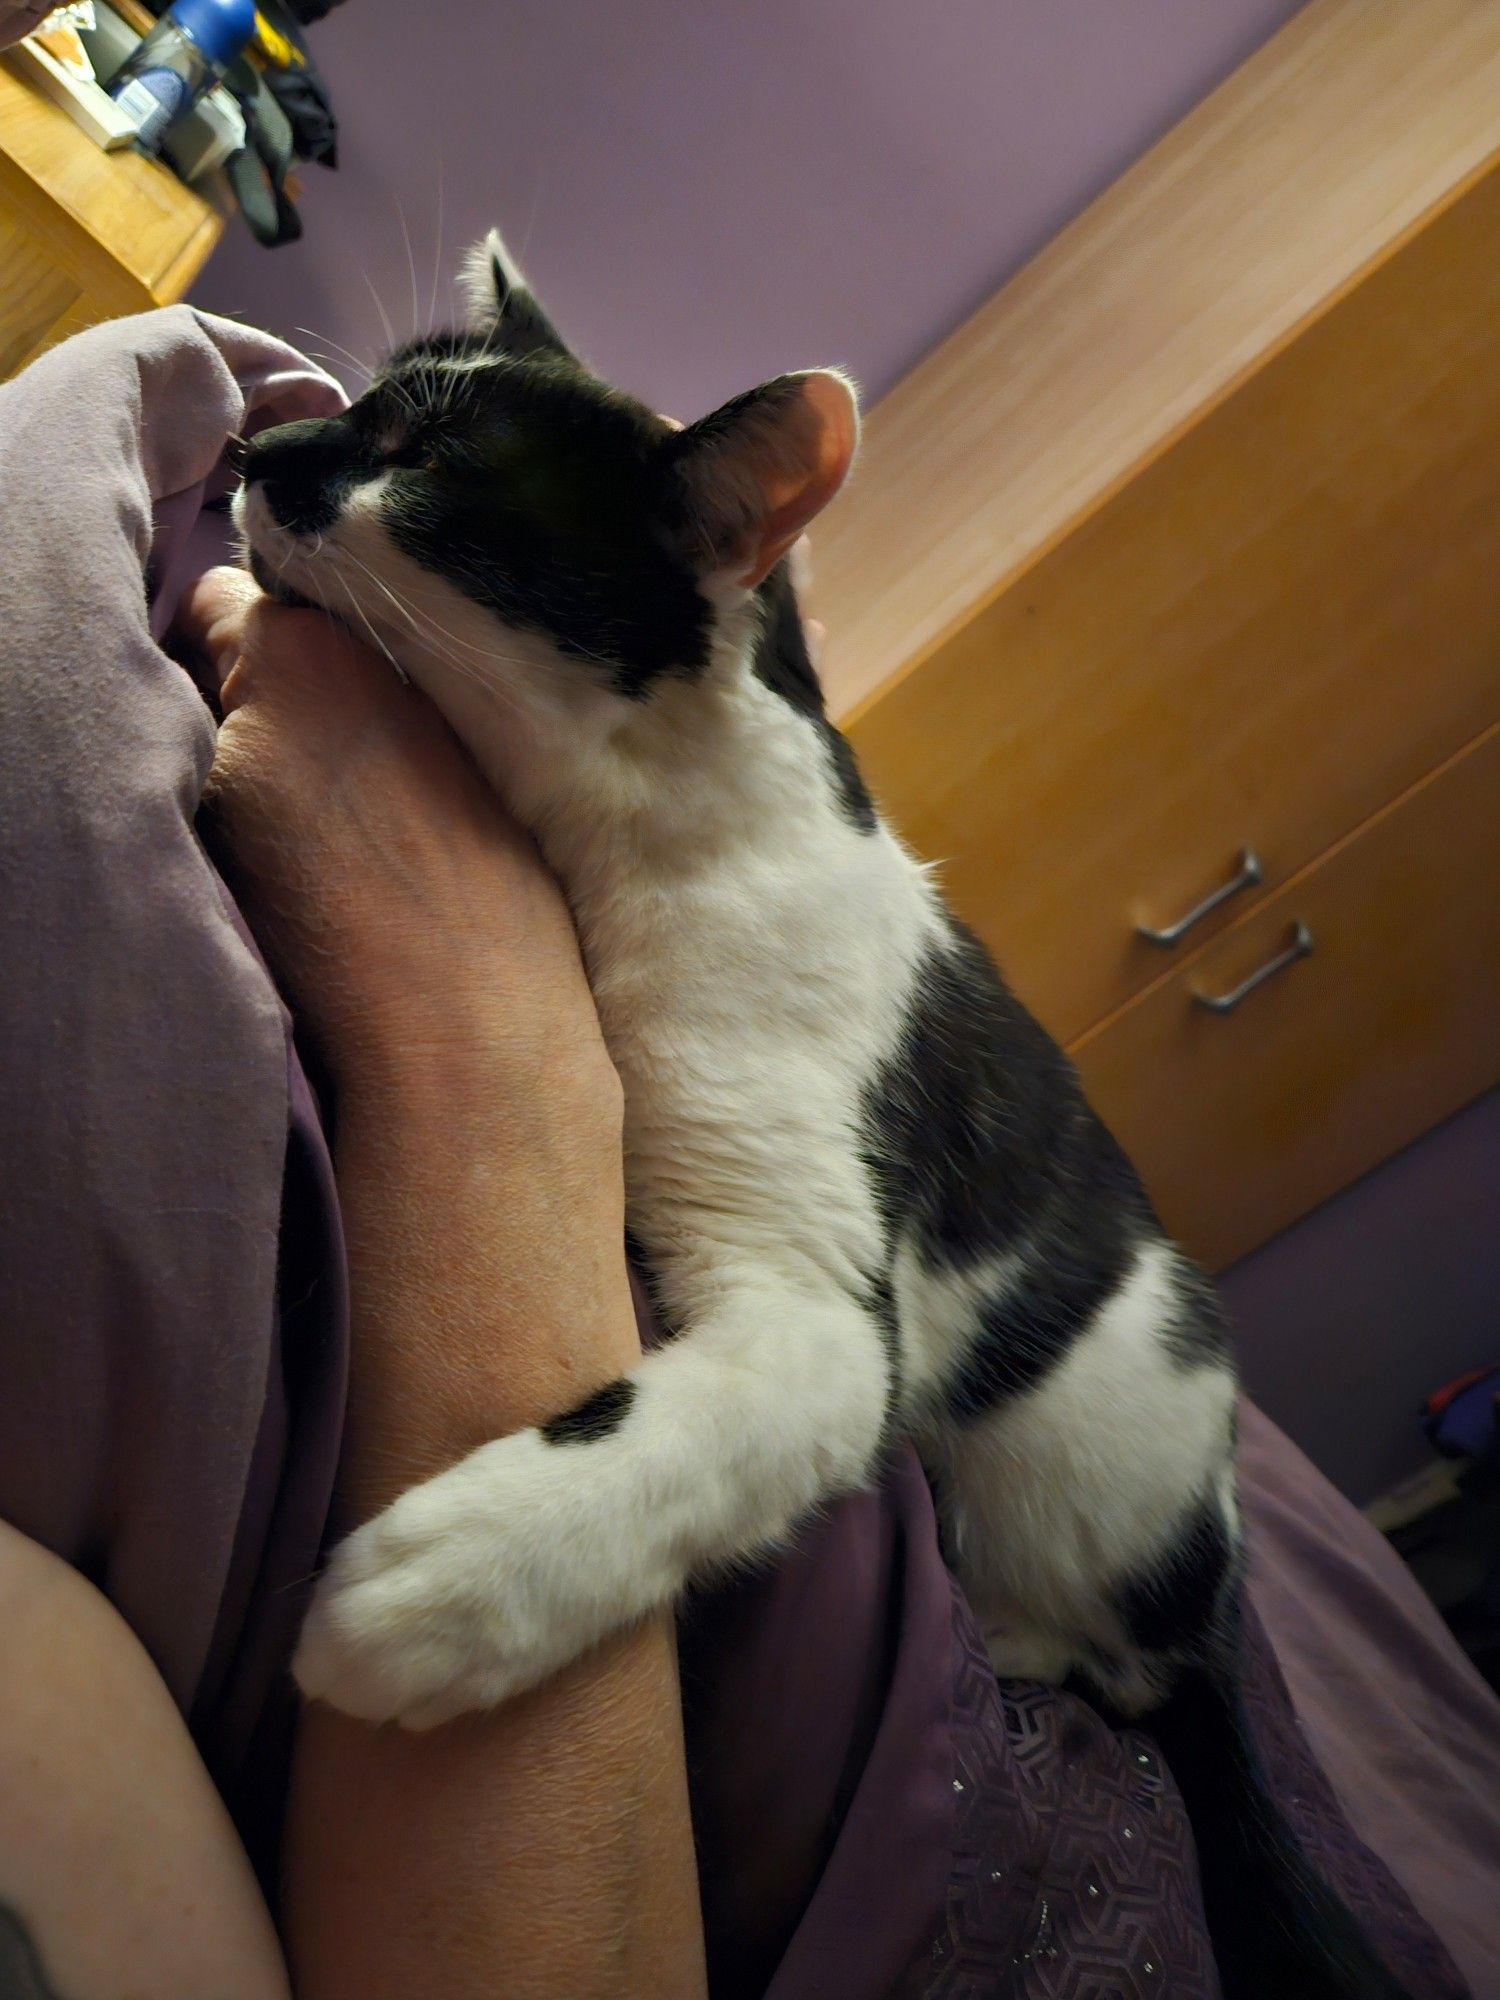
(120,1871)
(544,1848)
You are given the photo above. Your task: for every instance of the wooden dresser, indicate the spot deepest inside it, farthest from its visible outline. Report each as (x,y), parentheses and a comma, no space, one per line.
(84,234)
(1177,568)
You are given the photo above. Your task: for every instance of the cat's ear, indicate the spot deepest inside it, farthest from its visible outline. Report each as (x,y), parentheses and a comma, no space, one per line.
(501,303)
(752,475)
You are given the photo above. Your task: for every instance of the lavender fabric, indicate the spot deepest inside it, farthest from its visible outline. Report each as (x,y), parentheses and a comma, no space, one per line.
(1406,1731)
(154,1428)
(876,1816)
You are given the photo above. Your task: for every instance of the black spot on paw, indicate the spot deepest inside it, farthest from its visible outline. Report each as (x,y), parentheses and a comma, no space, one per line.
(596,1417)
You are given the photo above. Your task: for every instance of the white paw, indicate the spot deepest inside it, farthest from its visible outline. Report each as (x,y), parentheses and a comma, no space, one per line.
(453,1599)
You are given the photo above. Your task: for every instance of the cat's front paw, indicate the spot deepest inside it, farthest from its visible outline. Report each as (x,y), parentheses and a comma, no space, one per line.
(425,1612)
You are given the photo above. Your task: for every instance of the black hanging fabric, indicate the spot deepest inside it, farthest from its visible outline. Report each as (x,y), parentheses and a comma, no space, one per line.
(257,173)
(297,85)
(288,116)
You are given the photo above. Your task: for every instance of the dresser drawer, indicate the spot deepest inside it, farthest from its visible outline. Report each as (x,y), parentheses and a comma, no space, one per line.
(1241,1121)
(1261,639)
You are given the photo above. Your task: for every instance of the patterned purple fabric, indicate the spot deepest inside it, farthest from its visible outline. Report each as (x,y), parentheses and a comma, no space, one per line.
(1103,1895)
(876,1816)
(966,1839)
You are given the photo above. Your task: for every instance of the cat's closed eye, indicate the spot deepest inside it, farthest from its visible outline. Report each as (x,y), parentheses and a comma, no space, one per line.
(412,454)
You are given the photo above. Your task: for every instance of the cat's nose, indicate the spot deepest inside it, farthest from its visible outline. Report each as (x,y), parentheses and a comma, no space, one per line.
(237,454)
(302,470)
(302,507)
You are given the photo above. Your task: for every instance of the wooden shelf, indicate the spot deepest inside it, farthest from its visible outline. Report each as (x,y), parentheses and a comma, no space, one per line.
(84,234)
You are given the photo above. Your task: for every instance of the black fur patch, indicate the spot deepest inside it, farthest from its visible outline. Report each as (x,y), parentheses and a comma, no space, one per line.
(783,664)
(597,1416)
(979,1141)
(1172,1606)
(529,484)
(1029,1327)
(981,1138)
(544,501)
(1197,1334)
(307,468)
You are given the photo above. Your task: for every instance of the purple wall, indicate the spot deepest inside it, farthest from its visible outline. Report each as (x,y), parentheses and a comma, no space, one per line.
(705,194)
(1350,1317)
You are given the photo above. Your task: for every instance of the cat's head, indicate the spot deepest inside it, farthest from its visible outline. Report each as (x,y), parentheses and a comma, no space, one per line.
(490,509)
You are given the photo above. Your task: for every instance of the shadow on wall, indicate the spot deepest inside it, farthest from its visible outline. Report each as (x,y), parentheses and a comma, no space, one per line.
(1350,1317)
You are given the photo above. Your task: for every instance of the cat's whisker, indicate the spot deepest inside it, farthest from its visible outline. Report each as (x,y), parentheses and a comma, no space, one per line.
(359,612)
(385,318)
(328,361)
(338,347)
(423,623)
(411,265)
(427,628)
(437,261)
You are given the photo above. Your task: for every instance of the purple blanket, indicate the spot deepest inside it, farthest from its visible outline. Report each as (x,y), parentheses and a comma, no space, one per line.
(876,1815)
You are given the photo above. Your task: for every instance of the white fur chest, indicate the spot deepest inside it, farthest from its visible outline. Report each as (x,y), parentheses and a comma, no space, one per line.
(749,989)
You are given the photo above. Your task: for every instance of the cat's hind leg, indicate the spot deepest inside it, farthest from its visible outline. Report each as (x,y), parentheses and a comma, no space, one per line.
(492,1575)
(1091,1515)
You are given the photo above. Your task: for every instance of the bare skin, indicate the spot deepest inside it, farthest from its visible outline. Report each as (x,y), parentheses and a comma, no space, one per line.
(546,1848)
(120,1873)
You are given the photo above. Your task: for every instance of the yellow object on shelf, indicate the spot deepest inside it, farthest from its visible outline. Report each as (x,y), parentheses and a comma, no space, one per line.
(275,46)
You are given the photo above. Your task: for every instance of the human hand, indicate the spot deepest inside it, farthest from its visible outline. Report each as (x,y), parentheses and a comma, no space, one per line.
(411,920)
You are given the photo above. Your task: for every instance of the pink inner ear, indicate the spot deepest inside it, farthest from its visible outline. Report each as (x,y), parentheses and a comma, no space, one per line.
(829,420)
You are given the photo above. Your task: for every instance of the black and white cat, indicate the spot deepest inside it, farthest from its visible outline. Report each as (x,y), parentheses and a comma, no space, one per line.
(866,1184)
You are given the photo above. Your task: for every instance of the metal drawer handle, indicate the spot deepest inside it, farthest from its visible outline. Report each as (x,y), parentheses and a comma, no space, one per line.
(1225,1003)
(1249,874)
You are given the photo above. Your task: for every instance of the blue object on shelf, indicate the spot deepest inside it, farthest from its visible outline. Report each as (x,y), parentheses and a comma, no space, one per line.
(221,28)
(179,62)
